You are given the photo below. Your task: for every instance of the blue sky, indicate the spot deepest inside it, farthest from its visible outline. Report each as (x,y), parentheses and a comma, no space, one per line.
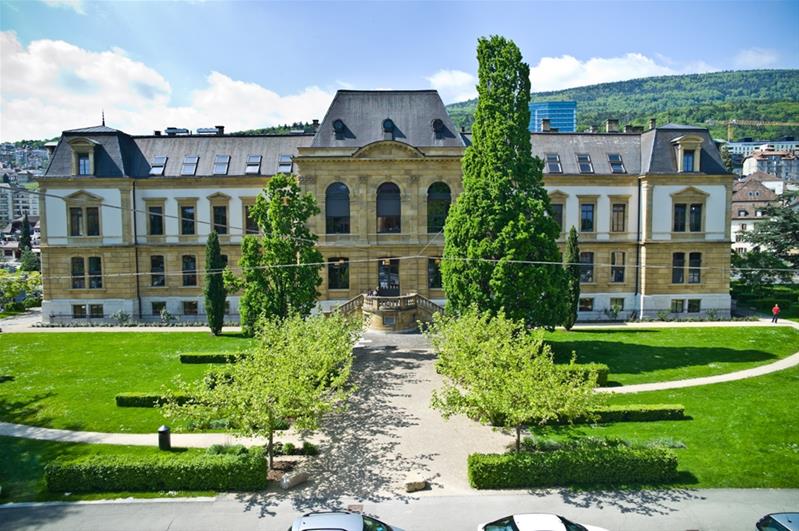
(251,64)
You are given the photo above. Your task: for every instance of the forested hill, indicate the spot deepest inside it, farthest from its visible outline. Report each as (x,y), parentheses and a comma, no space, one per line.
(769,95)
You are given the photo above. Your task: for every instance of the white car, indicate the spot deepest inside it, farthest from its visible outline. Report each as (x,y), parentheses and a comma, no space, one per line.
(536,522)
(339,521)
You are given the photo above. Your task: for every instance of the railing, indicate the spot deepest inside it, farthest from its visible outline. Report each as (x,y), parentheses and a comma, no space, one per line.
(427,305)
(375,303)
(352,305)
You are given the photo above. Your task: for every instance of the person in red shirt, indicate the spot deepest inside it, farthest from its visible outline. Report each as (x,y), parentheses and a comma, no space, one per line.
(775,312)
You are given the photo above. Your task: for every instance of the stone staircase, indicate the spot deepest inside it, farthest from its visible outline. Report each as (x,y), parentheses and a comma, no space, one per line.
(391,314)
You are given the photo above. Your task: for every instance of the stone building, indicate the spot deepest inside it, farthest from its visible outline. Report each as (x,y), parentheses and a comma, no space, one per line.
(384,166)
(750,195)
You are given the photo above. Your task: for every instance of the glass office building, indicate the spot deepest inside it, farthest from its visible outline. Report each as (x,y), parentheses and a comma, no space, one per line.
(562,115)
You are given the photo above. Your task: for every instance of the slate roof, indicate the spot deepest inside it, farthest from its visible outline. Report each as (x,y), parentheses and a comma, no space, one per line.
(596,145)
(363,112)
(108,152)
(659,156)
(95,129)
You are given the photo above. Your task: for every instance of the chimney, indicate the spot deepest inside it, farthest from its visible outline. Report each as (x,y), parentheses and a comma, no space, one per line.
(545,125)
(220,129)
(316,123)
(611,125)
(592,129)
(157,133)
(652,123)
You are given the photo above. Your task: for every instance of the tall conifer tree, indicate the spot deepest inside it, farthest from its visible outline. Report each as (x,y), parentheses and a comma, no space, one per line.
(572,264)
(25,236)
(502,216)
(214,285)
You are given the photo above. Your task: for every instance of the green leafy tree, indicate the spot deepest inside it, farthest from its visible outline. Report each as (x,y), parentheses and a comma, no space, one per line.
(280,271)
(299,370)
(495,369)
(572,265)
(214,286)
(758,270)
(25,236)
(20,284)
(502,216)
(29,261)
(778,232)
(726,157)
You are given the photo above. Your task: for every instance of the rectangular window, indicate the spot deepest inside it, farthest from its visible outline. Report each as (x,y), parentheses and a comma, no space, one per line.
(189,166)
(556,210)
(617,303)
(187,220)
(677,305)
(688,161)
(227,307)
(221,163)
(694,305)
(553,163)
(679,217)
(284,163)
(75,221)
(95,272)
(678,268)
(83,164)
(617,266)
(434,273)
(253,165)
(156,220)
(338,273)
(251,223)
(157,271)
(695,217)
(96,311)
(584,162)
(618,220)
(220,219)
(92,221)
(616,164)
(189,268)
(158,165)
(189,307)
(158,307)
(586,304)
(694,268)
(79,311)
(586,267)
(587,217)
(78,273)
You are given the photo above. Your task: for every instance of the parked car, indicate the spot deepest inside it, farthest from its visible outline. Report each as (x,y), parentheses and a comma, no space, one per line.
(339,520)
(779,522)
(536,522)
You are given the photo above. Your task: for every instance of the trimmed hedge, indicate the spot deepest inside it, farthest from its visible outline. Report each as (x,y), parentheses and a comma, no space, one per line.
(210,357)
(146,399)
(161,471)
(585,369)
(614,465)
(640,413)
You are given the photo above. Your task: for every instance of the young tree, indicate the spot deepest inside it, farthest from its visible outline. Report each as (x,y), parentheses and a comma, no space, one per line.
(726,157)
(25,236)
(280,270)
(759,269)
(214,286)
(29,261)
(497,370)
(572,266)
(778,233)
(299,370)
(502,217)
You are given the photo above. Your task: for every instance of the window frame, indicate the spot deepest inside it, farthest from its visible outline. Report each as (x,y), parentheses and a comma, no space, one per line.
(149,204)
(246,204)
(338,268)
(586,202)
(619,162)
(550,159)
(586,160)
(587,270)
(186,304)
(157,167)
(190,162)
(678,267)
(78,279)
(94,275)
(188,276)
(436,221)
(615,227)
(221,165)
(677,306)
(334,193)
(160,304)
(615,267)
(389,223)
(92,311)
(585,304)
(696,304)
(252,167)
(155,275)
(84,157)
(77,315)
(694,275)
(282,165)
(187,202)
(434,279)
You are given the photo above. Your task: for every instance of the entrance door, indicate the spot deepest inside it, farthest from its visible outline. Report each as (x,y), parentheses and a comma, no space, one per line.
(388,278)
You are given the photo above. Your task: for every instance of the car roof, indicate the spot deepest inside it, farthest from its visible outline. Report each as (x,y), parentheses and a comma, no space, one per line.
(789,520)
(538,522)
(333,521)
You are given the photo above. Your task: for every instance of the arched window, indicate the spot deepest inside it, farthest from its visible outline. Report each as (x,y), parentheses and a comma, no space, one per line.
(439,198)
(337,209)
(388,208)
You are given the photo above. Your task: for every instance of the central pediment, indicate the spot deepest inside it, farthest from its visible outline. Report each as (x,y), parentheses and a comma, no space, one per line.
(387,149)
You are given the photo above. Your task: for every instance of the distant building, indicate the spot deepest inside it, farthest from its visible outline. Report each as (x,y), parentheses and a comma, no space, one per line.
(15,203)
(739,150)
(750,196)
(562,116)
(781,163)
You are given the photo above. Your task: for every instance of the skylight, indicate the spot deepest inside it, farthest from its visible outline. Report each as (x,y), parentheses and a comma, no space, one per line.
(284,163)
(189,166)
(158,165)
(253,165)
(584,161)
(221,163)
(616,164)
(553,163)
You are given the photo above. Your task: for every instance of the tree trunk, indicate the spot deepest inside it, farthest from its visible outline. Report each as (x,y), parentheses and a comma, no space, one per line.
(518,438)
(270,448)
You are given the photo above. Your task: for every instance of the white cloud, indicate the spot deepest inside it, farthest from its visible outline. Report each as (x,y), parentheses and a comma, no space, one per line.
(76,5)
(756,58)
(454,85)
(51,86)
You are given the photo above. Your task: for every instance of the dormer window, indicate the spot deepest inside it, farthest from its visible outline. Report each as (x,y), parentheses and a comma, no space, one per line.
(687,161)
(616,163)
(553,163)
(189,166)
(284,163)
(221,163)
(253,165)
(158,165)
(688,149)
(82,156)
(584,162)
(84,166)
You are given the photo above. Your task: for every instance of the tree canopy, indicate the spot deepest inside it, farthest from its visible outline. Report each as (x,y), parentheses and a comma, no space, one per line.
(778,232)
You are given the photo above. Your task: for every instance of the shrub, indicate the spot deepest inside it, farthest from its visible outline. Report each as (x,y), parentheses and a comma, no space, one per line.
(309,448)
(611,465)
(224,449)
(585,370)
(210,357)
(158,472)
(146,399)
(640,413)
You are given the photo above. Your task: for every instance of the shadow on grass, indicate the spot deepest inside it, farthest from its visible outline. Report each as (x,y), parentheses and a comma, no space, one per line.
(361,458)
(25,411)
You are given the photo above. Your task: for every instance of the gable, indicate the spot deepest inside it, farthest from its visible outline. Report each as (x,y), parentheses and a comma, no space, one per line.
(387,149)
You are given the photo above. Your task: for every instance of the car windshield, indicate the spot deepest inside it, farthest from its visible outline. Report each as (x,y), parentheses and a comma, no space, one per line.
(370,524)
(571,526)
(505,524)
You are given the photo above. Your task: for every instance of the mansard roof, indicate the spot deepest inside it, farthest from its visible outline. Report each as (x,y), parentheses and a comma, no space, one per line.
(362,113)
(111,151)
(597,145)
(658,154)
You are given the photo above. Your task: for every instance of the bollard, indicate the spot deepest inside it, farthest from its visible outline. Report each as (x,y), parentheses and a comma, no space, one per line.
(164,442)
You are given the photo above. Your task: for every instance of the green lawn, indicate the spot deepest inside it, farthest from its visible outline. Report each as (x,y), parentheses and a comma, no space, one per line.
(662,354)
(22,464)
(742,434)
(69,380)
